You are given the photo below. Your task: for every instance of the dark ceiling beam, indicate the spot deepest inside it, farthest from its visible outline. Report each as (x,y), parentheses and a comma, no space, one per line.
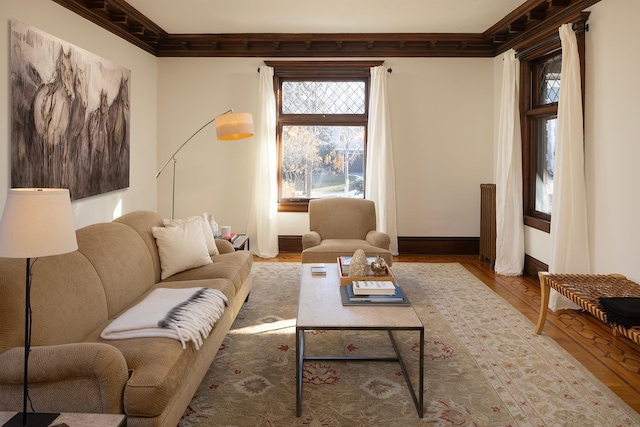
(120,18)
(531,18)
(325,45)
(536,18)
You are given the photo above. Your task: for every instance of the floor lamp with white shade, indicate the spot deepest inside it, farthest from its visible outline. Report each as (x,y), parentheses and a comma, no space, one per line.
(229,126)
(36,222)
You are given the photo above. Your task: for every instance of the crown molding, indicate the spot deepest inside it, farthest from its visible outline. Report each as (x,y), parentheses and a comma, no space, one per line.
(532,17)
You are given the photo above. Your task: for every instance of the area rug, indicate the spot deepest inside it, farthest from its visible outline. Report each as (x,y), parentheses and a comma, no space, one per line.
(484,365)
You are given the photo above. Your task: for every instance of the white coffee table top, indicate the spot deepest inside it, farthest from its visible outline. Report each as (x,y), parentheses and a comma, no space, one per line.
(320,305)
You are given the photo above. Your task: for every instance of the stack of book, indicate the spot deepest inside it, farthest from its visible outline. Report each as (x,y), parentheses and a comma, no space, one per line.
(318,269)
(231,237)
(374,291)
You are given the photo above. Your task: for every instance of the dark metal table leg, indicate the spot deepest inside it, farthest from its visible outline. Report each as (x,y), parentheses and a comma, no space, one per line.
(421,385)
(418,398)
(299,365)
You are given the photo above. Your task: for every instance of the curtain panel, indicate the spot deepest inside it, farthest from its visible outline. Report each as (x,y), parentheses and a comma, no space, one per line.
(380,170)
(508,175)
(263,220)
(569,238)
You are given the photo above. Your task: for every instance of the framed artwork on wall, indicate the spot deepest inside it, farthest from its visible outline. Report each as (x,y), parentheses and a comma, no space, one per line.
(69,116)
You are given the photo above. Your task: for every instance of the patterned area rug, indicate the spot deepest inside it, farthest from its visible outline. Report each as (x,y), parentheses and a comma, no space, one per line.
(484,366)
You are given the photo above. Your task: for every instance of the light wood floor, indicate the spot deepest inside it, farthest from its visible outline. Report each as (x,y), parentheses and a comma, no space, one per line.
(614,360)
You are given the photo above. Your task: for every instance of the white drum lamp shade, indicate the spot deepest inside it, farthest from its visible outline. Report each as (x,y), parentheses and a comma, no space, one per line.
(234,126)
(37,222)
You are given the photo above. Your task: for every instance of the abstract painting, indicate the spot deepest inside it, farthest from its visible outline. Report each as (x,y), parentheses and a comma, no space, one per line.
(69,116)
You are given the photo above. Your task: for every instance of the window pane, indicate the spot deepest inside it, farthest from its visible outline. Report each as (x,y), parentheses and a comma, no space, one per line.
(322,97)
(545,133)
(550,81)
(322,161)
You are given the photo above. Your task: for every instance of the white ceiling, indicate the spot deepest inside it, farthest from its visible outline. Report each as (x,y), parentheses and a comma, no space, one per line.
(325,16)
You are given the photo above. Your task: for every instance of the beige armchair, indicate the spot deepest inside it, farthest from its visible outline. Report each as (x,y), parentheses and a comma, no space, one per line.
(339,226)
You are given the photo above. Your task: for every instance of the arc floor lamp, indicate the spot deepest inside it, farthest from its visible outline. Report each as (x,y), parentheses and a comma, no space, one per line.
(229,126)
(36,222)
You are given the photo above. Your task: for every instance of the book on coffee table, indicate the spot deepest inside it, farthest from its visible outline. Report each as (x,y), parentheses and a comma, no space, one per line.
(318,269)
(374,287)
(349,298)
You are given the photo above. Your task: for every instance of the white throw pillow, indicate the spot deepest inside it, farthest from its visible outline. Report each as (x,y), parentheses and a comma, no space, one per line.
(203,222)
(181,247)
(210,235)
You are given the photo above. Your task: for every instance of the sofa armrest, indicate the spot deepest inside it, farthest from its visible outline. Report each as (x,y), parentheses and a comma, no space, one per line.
(378,239)
(224,246)
(310,240)
(83,377)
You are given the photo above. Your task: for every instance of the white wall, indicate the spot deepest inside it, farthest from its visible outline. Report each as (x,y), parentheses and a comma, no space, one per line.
(441,114)
(211,176)
(61,23)
(612,138)
(442,124)
(612,131)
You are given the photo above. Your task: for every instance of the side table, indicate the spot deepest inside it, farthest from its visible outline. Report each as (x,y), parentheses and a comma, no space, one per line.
(241,243)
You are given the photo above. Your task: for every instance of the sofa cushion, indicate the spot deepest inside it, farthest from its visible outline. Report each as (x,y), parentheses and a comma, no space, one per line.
(181,247)
(121,260)
(234,266)
(142,222)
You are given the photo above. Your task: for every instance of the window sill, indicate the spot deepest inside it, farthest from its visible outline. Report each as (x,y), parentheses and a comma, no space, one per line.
(293,207)
(540,224)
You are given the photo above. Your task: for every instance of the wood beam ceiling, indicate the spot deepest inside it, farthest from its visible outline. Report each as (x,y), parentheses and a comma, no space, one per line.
(531,18)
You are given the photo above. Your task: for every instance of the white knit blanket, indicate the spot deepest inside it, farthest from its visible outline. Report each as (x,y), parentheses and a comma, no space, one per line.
(182,314)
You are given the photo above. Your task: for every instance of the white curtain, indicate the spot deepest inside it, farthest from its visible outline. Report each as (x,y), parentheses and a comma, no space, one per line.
(263,220)
(509,224)
(569,240)
(380,171)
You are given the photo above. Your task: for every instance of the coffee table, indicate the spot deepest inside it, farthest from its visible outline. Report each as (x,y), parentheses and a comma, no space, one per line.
(320,308)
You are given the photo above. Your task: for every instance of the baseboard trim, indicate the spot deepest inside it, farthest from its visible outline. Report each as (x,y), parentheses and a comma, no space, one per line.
(439,245)
(290,244)
(406,245)
(532,266)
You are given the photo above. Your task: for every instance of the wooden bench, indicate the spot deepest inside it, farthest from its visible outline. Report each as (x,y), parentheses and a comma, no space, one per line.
(585,290)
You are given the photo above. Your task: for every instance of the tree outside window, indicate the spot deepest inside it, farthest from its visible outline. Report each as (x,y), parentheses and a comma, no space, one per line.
(322,161)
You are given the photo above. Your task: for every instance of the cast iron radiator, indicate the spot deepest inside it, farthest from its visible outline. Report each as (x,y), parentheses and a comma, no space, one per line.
(488,223)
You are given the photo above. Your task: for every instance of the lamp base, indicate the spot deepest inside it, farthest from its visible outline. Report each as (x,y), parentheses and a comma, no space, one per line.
(34,419)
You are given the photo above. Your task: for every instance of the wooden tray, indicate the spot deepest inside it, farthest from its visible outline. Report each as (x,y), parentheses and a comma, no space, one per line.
(345,279)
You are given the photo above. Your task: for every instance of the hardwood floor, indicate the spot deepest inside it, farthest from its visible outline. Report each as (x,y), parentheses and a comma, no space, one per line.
(613,360)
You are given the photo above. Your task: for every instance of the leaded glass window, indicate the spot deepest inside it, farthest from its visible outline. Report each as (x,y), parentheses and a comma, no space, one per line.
(321,132)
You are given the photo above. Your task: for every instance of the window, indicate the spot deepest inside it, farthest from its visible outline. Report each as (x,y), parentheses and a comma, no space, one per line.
(539,94)
(322,114)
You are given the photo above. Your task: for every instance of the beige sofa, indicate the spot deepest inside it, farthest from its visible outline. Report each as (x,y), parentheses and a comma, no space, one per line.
(340,226)
(75,296)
